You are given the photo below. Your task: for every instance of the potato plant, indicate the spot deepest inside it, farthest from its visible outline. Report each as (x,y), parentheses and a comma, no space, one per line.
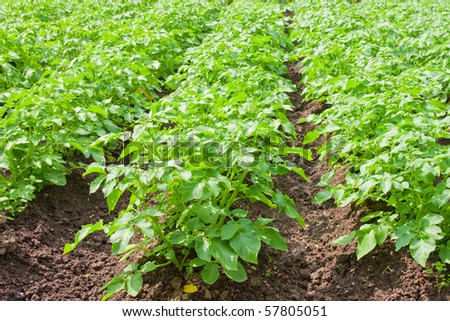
(385,69)
(217,139)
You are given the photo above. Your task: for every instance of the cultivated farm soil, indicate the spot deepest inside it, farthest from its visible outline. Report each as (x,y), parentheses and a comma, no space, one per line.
(34,268)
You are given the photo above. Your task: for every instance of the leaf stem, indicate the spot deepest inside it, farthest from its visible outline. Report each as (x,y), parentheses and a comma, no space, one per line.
(224,197)
(160,233)
(233,196)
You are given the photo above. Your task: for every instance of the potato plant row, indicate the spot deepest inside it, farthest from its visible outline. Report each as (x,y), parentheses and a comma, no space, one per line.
(384,67)
(201,151)
(71,73)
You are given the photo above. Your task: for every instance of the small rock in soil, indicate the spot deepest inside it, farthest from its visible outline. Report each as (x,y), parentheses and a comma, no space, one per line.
(35,297)
(224,295)
(176,283)
(208,295)
(20,296)
(7,243)
(97,266)
(255,282)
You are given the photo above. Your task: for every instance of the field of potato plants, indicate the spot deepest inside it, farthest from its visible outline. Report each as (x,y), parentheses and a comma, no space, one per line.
(224,150)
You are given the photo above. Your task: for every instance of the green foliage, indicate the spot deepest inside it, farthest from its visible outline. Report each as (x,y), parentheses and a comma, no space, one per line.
(71,74)
(218,138)
(384,68)
(87,79)
(440,271)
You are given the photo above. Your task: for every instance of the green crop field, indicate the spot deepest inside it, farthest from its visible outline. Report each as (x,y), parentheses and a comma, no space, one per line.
(182,110)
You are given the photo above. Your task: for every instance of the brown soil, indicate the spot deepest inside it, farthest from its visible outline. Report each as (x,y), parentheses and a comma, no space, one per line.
(35,269)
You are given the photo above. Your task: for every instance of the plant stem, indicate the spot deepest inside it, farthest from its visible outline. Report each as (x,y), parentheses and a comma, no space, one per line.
(160,233)
(224,197)
(233,196)
(164,264)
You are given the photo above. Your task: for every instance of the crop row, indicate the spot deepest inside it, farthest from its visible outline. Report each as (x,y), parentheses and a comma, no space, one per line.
(217,139)
(384,67)
(70,74)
